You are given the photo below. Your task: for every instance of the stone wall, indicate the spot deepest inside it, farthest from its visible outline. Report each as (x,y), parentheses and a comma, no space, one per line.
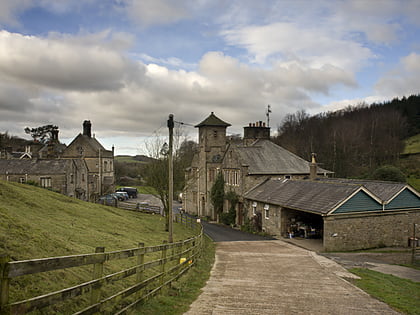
(386,229)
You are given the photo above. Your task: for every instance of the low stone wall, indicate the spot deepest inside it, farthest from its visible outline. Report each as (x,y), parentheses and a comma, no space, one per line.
(385,229)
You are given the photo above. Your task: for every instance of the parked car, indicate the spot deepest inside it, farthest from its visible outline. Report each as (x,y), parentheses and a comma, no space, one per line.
(108,200)
(118,196)
(123,194)
(131,191)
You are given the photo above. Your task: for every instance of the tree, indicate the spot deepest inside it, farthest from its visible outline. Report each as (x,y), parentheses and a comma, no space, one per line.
(43,134)
(217,194)
(156,172)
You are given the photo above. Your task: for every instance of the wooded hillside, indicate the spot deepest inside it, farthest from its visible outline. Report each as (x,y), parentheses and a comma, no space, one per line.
(353,142)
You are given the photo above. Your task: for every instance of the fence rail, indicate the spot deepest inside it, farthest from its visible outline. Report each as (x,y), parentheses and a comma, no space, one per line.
(139,206)
(176,258)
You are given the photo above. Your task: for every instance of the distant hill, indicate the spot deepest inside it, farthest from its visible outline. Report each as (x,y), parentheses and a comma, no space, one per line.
(354,141)
(133,159)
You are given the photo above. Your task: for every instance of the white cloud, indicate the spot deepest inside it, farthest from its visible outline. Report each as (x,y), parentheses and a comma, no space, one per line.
(10,8)
(403,79)
(63,63)
(288,41)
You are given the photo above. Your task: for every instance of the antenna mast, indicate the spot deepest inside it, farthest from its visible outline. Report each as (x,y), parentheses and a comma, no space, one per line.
(267,113)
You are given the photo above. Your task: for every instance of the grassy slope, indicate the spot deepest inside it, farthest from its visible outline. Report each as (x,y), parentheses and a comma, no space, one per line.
(410,162)
(401,294)
(36,223)
(412,145)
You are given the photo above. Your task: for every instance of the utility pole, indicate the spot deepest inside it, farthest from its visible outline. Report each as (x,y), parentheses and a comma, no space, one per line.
(171,176)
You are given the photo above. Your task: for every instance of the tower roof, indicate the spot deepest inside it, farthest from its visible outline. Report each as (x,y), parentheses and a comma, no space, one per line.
(212,120)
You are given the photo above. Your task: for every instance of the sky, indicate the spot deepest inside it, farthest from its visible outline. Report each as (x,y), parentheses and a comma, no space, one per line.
(125,65)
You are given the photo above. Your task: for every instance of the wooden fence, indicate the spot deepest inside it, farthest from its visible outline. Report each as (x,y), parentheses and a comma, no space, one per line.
(175,259)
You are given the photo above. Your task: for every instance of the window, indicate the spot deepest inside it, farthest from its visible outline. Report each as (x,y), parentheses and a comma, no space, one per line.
(288,176)
(105,166)
(231,177)
(83,177)
(212,174)
(46,182)
(215,133)
(254,208)
(267,211)
(71,178)
(22,180)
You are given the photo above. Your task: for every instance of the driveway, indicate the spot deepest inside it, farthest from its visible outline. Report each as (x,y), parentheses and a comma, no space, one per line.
(274,277)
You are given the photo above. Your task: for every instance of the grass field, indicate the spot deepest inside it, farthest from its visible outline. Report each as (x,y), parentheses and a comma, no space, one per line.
(37,223)
(412,145)
(402,295)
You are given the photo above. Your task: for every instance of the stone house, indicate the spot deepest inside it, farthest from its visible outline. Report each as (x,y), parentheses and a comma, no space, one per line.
(84,169)
(244,165)
(64,176)
(343,214)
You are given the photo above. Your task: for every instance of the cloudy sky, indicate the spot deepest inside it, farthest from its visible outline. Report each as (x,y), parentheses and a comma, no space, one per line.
(127,64)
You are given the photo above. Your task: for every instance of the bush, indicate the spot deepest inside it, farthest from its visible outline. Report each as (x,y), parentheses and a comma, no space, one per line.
(389,173)
(229,217)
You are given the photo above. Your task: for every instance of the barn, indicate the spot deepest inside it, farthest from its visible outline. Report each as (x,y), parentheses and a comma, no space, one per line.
(343,214)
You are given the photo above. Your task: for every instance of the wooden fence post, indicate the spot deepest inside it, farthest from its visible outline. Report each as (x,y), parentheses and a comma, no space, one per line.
(98,270)
(163,257)
(413,245)
(140,268)
(4,284)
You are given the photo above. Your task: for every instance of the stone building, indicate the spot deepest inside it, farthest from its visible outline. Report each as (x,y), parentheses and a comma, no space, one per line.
(343,214)
(84,169)
(244,165)
(99,162)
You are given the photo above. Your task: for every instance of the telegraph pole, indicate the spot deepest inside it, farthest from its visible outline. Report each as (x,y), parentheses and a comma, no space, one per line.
(171,176)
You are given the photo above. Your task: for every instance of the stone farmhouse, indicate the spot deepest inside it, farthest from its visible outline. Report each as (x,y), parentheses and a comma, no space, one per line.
(244,165)
(287,196)
(84,169)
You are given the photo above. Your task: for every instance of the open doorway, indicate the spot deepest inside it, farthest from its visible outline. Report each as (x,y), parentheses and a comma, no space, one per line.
(302,224)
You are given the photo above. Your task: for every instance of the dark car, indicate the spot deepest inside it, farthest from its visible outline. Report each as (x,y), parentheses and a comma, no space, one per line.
(131,191)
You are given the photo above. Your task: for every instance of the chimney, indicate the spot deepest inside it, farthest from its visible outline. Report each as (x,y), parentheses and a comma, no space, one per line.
(255,131)
(312,168)
(54,136)
(87,126)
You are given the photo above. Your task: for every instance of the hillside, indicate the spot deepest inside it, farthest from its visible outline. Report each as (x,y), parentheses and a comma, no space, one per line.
(36,223)
(357,140)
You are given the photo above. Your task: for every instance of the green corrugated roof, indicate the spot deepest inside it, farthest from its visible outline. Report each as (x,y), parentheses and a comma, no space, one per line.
(212,120)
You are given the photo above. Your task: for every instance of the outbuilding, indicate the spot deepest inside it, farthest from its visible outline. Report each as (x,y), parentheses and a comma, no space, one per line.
(344,214)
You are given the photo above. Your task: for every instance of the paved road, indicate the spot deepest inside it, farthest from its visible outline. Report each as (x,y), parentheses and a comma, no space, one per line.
(220,233)
(274,277)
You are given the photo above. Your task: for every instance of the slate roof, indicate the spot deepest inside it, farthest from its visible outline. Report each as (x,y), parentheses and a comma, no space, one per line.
(381,189)
(212,120)
(323,195)
(34,166)
(311,196)
(91,141)
(265,157)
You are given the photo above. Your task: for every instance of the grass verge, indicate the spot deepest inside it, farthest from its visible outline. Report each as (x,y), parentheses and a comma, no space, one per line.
(186,290)
(38,223)
(401,294)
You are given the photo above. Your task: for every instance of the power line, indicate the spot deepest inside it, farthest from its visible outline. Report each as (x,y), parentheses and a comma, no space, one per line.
(183,123)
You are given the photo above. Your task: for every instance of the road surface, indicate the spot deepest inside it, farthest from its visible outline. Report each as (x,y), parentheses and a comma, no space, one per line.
(273,277)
